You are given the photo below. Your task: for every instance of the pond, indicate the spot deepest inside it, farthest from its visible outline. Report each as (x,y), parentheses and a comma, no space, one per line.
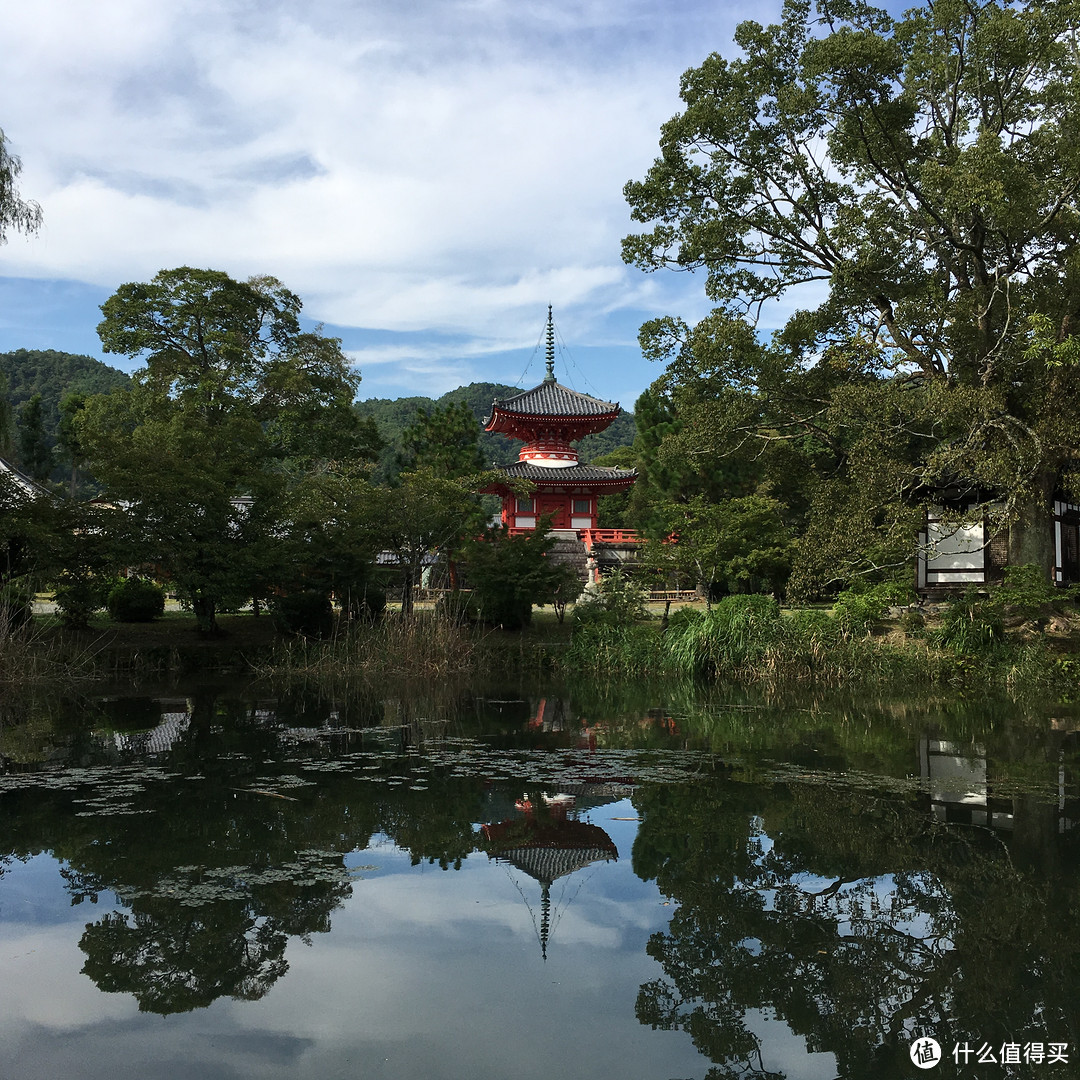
(537,882)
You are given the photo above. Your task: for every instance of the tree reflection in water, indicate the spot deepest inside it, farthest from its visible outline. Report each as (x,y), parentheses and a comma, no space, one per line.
(856,918)
(857,911)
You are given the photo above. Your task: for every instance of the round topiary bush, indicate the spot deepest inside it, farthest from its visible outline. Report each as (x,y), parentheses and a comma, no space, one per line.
(307,612)
(136,600)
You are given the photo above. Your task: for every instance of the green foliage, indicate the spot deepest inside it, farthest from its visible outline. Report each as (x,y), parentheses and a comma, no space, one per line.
(7,415)
(924,168)
(971,625)
(617,601)
(606,648)
(621,432)
(16,213)
(53,376)
(860,609)
(444,440)
(77,598)
(16,604)
(306,612)
(35,456)
(913,623)
(733,545)
(136,599)
(1026,592)
(86,548)
(508,575)
(731,636)
(236,408)
(668,476)
(422,517)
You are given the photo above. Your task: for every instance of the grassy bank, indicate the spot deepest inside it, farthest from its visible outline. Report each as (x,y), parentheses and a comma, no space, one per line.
(743,640)
(749,640)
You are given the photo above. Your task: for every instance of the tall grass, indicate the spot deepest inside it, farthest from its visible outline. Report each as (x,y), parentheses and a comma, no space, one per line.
(427,645)
(747,640)
(27,658)
(603,649)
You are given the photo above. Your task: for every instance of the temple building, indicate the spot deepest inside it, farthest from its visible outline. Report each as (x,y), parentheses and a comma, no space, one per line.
(548,419)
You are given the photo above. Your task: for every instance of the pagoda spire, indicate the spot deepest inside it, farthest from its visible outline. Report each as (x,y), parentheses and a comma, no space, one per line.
(550,376)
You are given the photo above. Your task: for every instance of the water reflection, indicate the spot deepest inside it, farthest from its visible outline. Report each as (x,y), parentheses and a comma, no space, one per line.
(814,887)
(546,843)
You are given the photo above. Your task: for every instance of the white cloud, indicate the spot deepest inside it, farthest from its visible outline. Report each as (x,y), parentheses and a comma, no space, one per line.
(436,165)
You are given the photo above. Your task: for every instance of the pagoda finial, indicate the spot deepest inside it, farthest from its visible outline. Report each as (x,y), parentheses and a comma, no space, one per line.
(550,376)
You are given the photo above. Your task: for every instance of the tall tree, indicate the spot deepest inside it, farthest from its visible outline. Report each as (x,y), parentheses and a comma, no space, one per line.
(16,213)
(35,454)
(6,419)
(924,172)
(235,403)
(68,439)
(446,440)
(424,516)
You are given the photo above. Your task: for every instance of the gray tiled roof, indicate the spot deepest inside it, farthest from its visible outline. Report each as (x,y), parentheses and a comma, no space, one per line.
(547,865)
(23,484)
(526,470)
(553,399)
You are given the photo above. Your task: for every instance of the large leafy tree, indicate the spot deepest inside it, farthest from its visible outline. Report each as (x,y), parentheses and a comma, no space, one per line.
(236,404)
(922,175)
(423,517)
(729,546)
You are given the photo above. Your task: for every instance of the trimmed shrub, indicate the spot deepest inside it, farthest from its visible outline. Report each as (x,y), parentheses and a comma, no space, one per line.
(136,600)
(307,612)
(77,598)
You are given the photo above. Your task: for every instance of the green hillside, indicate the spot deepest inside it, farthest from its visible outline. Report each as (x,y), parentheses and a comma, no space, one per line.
(53,375)
(393,415)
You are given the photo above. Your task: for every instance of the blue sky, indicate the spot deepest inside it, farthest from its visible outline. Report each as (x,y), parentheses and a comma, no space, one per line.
(426,174)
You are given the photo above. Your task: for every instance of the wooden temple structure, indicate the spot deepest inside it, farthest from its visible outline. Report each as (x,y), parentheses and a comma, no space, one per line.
(549,419)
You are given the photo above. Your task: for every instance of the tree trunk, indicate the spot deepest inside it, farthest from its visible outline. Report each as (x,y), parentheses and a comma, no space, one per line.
(407,592)
(1031,535)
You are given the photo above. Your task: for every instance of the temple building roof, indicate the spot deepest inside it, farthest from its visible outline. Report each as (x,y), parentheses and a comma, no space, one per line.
(552,399)
(22,483)
(590,474)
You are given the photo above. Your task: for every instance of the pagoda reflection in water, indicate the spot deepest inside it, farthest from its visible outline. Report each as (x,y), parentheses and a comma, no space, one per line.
(547,844)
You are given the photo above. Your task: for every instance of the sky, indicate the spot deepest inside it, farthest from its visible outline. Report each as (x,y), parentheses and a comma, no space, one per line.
(427,175)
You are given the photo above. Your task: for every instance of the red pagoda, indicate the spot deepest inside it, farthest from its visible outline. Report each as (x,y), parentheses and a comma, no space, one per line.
(548,419)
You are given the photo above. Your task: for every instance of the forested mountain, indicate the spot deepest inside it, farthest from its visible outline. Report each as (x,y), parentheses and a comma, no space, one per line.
(393,415)
(50,375)
(53,374)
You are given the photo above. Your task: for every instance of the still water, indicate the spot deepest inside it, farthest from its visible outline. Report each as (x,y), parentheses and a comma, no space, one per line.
(536,883)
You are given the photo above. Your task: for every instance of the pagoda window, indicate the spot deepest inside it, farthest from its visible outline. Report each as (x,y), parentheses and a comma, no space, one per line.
(525,506)
(583,506)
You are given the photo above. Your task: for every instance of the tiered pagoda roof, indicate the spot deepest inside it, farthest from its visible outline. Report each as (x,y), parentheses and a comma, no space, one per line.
(589,474)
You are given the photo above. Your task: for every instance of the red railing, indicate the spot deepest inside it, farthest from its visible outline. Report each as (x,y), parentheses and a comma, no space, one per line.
(591,537)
